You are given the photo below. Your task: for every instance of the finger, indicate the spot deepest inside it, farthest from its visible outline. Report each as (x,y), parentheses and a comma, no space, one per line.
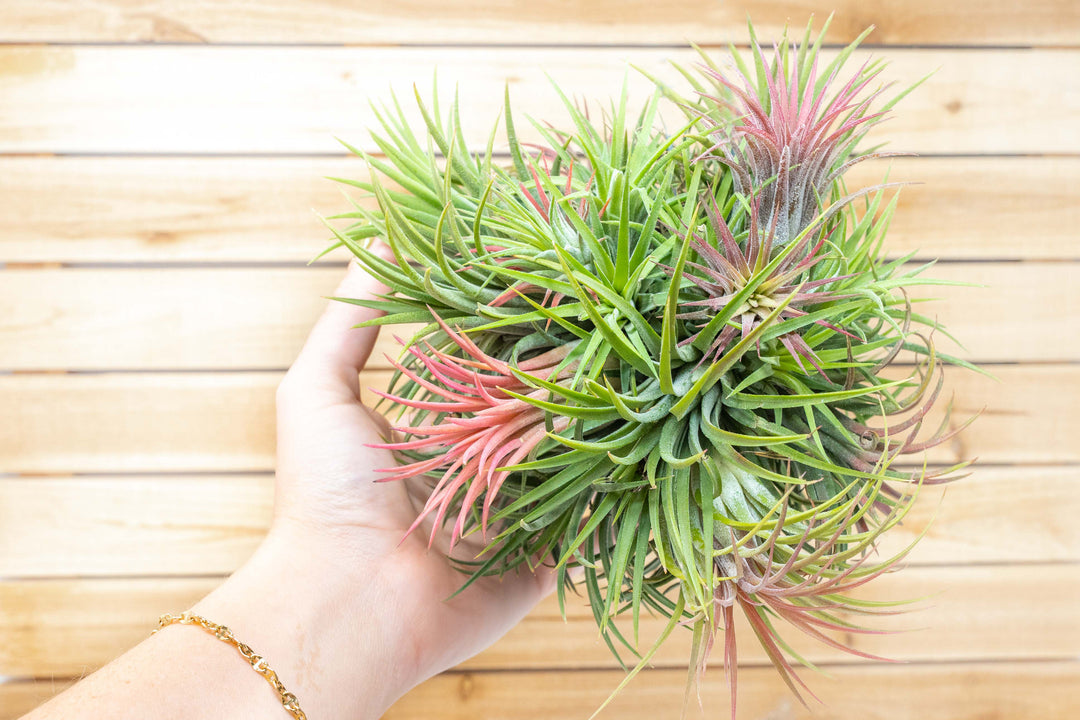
(336,349)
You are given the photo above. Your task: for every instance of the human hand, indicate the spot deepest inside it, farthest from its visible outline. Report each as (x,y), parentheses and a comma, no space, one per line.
(331,513)
(348,615)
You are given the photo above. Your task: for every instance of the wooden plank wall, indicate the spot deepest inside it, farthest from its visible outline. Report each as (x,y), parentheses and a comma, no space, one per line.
(159,162)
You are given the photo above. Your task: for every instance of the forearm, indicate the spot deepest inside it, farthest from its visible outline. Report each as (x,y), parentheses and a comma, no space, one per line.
(328,632)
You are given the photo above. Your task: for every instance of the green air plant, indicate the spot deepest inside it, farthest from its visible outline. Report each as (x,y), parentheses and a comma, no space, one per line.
(668,357)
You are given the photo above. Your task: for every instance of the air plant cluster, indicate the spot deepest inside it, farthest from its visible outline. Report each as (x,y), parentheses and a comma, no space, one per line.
(671,358)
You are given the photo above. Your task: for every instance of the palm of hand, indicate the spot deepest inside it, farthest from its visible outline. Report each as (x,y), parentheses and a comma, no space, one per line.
(326,485)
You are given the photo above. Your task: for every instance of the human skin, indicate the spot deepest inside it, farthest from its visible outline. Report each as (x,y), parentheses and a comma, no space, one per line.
(348,614)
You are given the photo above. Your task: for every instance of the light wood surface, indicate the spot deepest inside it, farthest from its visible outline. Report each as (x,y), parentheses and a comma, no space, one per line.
(932,691)
(55,627)
(161,167)
(239,99)
(207,422)
(255,318)
(82,526)
(208,524)
(918,22)
(262,209)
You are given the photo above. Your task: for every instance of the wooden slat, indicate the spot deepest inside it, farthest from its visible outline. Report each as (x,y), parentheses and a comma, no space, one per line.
(19,697)
(109,319)
(97,209)
(967,523)
(962,691)
(1010,691)
(224,422)
(955,624)
(76,209)
(60,627)
(982,208)
(178,319)
(129,525)
(920,22)
(142,421)
(176,525)
(114,615)
(276,100)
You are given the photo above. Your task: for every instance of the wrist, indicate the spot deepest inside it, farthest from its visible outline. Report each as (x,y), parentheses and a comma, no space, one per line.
(327,621)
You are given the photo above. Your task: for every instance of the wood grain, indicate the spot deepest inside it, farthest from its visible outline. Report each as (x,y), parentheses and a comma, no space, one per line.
(166,525)
(62,627)
(921,22)
(77,423)
(215,422)
(226,318)
(979,518)
(960,691)
(124,209)
(173,319)
(168,209)
(64,99)
(131,525)
(18,697)
(1039,691)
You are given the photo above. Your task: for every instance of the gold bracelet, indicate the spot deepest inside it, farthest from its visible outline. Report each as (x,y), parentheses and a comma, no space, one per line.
(257,662)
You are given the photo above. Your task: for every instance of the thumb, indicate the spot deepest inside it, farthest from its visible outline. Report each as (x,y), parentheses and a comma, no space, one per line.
(336,349)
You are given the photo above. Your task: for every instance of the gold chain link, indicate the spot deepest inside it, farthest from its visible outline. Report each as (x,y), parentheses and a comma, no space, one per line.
(257,662)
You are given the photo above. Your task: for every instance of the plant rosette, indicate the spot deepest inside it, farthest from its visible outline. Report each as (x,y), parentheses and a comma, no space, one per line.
(668,358)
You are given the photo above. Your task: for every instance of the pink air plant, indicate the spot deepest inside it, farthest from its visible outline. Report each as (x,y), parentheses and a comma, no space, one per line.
(539,197)
(791,147)
(728,267)
(480,426)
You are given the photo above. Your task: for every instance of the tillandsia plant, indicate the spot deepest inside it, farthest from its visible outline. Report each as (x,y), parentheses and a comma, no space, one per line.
(669,357)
